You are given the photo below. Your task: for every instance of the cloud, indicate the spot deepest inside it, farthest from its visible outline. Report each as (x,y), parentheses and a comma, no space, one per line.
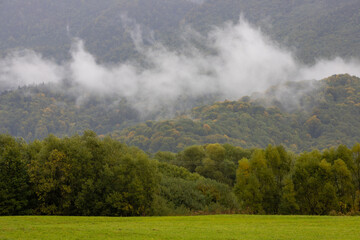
(28,67)
(325,68)
(239,60)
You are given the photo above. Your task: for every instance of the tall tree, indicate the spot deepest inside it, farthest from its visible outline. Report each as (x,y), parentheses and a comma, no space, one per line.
(14,179)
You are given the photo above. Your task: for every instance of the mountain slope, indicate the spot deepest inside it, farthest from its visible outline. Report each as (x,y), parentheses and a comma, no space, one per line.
(35,112)
(314,29)
(301,116)
(323,117)
(324,28)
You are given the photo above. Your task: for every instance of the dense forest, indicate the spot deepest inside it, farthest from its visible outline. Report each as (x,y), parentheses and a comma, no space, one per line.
(34,112)
(315,29)
(86,175)
(302,116)
(319,114)
(324,114)
(68,149)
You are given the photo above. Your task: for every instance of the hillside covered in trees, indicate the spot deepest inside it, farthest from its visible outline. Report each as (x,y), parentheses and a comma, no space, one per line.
(118,107)
(34,112)
(85,175)
(300,115)
(316,29)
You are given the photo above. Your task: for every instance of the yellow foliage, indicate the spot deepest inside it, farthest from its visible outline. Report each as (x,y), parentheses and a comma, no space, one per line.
(131,134)
(175,132)
(293,146)
(244,167)
(206,127)
(215,106)
(180,146)
(47,110)
(231,107)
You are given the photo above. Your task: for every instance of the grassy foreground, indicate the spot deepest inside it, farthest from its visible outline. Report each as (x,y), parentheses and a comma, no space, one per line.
(197,227)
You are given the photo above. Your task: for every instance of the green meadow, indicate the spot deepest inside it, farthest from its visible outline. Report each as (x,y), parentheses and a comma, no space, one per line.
(194,227)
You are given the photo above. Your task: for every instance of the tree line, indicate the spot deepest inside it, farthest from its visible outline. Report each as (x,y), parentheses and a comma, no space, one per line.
(88,175)
(85,175)
(276,181)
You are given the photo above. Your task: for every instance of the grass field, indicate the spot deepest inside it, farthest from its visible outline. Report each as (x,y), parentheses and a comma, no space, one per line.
(197,227)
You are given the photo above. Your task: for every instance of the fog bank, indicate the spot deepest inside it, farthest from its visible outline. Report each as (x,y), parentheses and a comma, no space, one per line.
(239,61)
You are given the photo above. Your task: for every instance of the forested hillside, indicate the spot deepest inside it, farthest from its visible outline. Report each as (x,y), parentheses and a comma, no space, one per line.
(119,107)
(301,116)
(314,29)
(34,112)
(325,114)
